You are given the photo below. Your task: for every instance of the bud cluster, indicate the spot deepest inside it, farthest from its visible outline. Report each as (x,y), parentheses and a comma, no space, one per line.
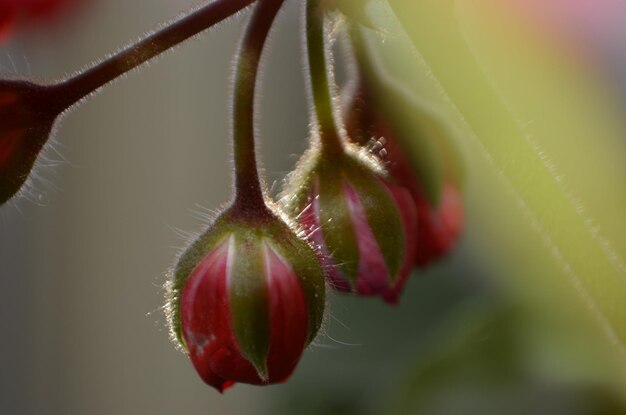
(361,221)
(248,296)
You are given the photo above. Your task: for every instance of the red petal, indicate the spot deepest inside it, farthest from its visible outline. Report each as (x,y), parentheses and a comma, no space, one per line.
(204,314)
(288,317)
(439,228)
(372,275)
(207,322)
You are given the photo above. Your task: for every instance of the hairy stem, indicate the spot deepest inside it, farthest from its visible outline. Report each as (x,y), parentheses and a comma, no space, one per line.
(320,84)
(248,190)
(76,88)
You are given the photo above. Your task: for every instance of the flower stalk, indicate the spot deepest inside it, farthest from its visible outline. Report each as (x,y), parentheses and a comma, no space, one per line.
(92,79)
(249,195)
(327,130)
(248,295)
(28,110)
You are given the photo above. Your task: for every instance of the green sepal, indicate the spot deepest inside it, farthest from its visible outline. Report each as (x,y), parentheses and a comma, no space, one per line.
(335,219)
(248,295)
(296,195)
(381,211)
(316,170)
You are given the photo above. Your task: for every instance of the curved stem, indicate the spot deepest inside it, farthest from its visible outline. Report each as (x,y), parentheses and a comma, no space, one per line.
(248,191)
(77,87)
(320,85)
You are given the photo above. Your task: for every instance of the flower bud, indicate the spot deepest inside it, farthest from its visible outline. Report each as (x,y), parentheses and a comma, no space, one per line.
(246,298)
(363,223)
(440,222)
(428,174)
(27,114)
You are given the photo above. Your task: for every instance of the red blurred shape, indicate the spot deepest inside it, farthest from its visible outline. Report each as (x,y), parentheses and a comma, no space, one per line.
(7,18)
(15,13)
(42,8)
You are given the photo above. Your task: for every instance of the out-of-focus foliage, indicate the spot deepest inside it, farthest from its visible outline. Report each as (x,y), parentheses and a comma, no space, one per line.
(480,365)
(545,164)
(545,177)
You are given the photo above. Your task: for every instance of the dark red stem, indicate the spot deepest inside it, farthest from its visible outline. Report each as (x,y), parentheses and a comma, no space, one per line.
(80,86)
(248,190)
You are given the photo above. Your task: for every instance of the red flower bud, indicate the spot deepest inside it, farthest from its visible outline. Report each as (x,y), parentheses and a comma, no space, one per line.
(27,114)
(440,219)
(246,299)
(361,222)
(439,226)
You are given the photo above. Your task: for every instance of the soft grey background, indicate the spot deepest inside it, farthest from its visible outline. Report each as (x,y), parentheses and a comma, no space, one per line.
(81,270)
(83,258)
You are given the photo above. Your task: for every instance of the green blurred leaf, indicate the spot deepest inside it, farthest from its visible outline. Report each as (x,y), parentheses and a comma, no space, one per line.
(479,365)
(545,177)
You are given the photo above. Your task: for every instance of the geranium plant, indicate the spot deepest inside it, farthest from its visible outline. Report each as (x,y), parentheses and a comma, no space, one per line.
(378,194)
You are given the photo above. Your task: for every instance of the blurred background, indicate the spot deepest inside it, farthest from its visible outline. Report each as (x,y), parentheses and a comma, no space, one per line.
(525,316)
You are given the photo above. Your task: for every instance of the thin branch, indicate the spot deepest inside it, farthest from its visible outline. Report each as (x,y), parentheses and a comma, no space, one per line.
(76,88)
(249,194)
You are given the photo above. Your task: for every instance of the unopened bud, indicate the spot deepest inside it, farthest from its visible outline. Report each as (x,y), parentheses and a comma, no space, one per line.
(246,298)
(362,223)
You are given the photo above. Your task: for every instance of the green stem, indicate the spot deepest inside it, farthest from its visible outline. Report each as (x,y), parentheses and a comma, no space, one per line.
(90,80)
(320,85)
(248,191)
